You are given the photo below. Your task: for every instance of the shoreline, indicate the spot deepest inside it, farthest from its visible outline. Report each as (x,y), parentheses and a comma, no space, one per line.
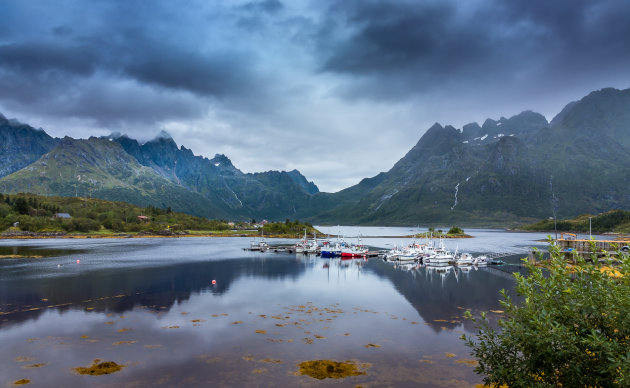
(41,236)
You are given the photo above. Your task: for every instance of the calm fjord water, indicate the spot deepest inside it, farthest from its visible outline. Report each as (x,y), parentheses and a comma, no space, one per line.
(150,304)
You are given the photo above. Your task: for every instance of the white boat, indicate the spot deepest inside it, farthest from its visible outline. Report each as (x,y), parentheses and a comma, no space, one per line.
(481,261)
(413,252)
(393,254)
(441,256)
(301,245)
(464,259)
(306,246)
(262,245)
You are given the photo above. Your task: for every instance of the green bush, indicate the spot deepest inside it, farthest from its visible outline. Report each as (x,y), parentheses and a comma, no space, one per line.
(572,328)
(455,230)
(82,225)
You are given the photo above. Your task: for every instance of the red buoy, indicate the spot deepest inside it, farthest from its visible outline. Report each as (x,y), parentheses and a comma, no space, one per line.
(214,282)
(78,261)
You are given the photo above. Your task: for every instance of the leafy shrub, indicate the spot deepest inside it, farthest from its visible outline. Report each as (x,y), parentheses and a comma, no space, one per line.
(82,225)
(455,230)
(572,328)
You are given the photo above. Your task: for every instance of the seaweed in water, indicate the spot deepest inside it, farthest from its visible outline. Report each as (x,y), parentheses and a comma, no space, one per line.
(322,369)
(99,368)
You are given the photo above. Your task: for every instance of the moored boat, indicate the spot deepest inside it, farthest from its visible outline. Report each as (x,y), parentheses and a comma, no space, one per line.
(330,250)
(354,251)
(440,257)
(464,259)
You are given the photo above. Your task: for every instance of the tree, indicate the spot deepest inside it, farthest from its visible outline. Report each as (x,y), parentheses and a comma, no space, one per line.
(21,206)
(455,230)
(571,329)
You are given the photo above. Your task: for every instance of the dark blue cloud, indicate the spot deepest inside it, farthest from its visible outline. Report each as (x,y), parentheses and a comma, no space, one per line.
(238,73)
(402,48)
(270,6)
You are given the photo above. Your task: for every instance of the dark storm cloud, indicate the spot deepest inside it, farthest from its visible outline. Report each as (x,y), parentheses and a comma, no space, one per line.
(257,79)
(218,74)
(161,64)
(30,58)
(270,6)
(122,43)
(411,47)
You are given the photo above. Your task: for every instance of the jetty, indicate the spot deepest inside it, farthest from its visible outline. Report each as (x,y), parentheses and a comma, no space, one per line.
(569,243)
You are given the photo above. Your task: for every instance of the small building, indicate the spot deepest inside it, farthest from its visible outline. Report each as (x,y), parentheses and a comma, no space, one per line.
(144,218)
(64,216)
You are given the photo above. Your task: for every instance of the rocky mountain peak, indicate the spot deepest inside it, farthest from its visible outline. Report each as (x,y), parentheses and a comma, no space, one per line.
(301,180)
(222,161)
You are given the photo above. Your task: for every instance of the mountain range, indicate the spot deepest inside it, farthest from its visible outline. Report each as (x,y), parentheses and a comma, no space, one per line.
(502,172)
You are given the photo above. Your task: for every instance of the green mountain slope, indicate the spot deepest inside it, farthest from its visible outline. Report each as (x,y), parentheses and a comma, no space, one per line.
(102,169)
(271,194)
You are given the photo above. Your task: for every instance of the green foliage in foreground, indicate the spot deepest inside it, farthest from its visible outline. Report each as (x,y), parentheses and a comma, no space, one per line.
(612,221)
(289,227)
(35,213)
(572,328)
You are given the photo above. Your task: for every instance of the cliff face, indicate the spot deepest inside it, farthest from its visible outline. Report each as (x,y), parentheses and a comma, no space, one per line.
(21,145)
(271,194)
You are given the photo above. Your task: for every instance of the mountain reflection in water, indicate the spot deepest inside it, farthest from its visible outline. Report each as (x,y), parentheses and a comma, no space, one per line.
(151,305)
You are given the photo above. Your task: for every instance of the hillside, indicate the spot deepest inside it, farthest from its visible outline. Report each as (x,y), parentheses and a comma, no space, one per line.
(102,169)
(41,216)
(614,221)
(36,214)
(271,194)
(504,172)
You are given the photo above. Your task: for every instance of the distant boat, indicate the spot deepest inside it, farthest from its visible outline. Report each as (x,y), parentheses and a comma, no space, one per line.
(329,250)
(441,256)
(306,246)
(262,245)
(357,250)
(481,261)
(464,259)
(354,251)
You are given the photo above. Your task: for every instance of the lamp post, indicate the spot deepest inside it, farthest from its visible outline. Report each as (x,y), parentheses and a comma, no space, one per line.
(590,236)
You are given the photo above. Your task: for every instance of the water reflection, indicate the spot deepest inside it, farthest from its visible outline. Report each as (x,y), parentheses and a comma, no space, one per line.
(440,294)
(120,290)
(151,305)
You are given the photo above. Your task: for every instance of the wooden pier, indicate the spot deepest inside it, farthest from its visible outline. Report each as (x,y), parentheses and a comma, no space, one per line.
(568,243)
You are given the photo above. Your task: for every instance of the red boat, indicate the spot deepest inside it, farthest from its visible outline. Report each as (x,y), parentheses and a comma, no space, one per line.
(354,251)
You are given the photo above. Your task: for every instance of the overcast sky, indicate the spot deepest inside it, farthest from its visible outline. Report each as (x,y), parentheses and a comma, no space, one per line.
(339,90)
